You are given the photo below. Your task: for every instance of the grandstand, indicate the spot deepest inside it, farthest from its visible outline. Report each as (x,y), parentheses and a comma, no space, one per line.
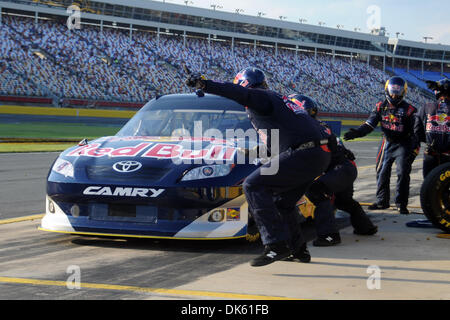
(123,55)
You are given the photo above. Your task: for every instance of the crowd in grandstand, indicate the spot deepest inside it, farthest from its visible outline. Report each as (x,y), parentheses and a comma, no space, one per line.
(46,59)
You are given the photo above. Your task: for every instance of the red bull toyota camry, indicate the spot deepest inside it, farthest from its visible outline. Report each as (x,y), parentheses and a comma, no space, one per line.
(158,177)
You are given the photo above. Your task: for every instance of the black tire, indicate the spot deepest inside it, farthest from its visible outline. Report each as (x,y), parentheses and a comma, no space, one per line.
(435,197)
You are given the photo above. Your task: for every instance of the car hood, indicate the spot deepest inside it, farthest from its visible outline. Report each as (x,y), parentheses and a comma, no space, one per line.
(155,161)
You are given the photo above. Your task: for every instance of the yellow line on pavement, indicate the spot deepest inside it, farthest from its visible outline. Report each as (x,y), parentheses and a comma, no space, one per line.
(161,291)
(20,219)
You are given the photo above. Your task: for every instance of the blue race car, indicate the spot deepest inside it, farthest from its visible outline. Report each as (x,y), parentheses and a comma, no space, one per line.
(170,172)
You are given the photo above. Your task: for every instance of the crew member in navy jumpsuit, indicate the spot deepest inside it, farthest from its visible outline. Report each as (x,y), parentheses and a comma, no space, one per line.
(334,190)
(433,127)
(399,143)
(303,155)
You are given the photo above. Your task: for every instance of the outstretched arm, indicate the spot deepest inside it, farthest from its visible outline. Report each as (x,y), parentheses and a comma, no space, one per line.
(364,129)
(255,99)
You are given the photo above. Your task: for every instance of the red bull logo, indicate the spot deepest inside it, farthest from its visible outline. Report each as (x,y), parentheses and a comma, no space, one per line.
(438,123)
(440,119)
(295,105)
(391,118)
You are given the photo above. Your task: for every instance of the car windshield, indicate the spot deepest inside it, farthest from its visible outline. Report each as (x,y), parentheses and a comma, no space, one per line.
(173,121)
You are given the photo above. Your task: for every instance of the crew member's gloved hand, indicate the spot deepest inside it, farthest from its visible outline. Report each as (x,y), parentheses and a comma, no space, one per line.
(416,151)
(349,155)
(430,149)
(351,134)
(196,80)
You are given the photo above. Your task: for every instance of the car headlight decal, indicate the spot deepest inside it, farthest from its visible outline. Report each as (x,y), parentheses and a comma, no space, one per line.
(63,167)
(205,172)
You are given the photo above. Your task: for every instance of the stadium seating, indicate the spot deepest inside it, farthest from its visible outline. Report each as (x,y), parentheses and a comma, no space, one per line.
(46,59)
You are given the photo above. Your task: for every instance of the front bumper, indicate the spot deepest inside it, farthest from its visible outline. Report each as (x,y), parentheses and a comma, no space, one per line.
(227,221)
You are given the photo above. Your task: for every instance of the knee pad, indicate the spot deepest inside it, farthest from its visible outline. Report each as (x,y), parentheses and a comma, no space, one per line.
(318,192)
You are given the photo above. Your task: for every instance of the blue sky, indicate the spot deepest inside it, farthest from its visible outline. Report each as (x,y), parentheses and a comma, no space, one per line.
(414,18)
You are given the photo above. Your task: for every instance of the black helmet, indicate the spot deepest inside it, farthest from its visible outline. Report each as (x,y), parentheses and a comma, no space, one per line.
(440,88)
(305,102)
(395,89)
(251,78)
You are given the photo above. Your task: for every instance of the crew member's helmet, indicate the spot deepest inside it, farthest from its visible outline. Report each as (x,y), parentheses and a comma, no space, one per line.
(396,89)
(441,88)
(251,78)
(305,102)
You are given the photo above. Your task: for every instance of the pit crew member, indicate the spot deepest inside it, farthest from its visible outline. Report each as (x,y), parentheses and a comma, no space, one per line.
(398,144)
(303,155)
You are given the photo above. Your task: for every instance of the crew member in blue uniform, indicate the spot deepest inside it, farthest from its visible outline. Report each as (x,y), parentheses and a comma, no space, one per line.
(398,145)
(303,155)
(334,189)
(433,127)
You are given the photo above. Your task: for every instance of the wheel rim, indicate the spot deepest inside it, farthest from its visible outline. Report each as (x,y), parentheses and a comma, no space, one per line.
(444,203)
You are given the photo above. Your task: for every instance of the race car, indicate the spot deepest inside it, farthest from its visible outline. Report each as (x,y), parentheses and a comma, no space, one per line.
(170,172)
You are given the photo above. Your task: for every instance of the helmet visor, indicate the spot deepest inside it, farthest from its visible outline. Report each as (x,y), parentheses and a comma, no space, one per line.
(396,90)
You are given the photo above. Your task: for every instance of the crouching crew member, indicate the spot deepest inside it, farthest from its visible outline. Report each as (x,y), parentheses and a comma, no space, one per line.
(334,190)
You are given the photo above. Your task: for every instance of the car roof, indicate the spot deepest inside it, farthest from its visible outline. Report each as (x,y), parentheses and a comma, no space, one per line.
(189,101)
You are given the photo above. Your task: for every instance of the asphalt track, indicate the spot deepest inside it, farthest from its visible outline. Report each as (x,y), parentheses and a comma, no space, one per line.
(36,265)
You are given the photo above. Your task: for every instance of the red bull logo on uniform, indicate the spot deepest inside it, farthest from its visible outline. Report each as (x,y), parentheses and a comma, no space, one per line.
(392,122)
(391,118)
(438,123)
(441,119)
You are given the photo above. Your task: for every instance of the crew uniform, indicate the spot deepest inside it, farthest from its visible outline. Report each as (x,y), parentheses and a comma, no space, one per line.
(398,144)
(303,155)
(334,189)
(433,127)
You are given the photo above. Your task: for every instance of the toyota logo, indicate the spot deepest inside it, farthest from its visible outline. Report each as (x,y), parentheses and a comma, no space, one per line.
(127,166)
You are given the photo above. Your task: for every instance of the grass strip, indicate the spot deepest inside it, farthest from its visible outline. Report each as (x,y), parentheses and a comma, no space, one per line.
(52,130)
(34,147)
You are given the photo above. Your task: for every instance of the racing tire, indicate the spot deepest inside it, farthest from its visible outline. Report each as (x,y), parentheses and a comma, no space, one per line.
(435,197)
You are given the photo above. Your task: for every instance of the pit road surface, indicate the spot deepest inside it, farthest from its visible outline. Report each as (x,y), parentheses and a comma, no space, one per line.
(39,265)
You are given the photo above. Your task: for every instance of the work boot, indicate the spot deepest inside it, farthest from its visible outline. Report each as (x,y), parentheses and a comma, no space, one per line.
(378,206)
(301,253)
(402,209)
(327,240)
(273,252)
(370,232)
(362,225)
